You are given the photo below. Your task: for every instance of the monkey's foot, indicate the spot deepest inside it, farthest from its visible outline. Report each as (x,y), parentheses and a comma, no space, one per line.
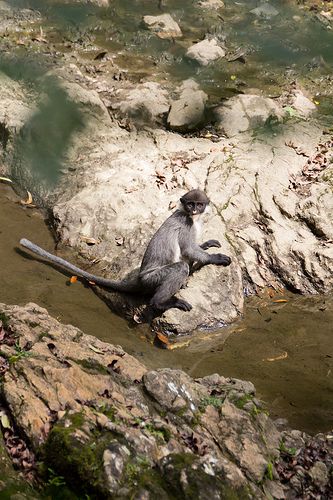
(182,305)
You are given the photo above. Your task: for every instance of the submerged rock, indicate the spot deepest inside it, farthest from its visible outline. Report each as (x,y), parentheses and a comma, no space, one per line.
(211,4)
(164,26)
(265,10)
(112,428)
(205,52)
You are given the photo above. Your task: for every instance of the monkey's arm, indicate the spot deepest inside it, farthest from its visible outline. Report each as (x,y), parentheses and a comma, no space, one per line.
(210,244)
(120,286)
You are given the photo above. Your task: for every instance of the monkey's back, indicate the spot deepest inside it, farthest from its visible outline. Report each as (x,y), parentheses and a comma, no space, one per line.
(165,246)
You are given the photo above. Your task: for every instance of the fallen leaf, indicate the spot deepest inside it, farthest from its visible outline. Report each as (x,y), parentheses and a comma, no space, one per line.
(5,179)
(137,319)
(162,338)
(73,279)
(278,358)
(177,345)
(88,240)
(279,301)
(120,240)
(4,420)
(95,349)
(28,201)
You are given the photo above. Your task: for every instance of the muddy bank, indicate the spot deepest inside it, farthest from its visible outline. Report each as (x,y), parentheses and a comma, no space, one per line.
(128,431)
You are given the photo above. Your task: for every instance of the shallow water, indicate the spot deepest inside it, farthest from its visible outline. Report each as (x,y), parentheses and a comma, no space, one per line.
(296,335)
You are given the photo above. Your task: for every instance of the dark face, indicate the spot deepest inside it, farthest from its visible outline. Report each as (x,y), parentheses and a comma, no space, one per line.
(193,207)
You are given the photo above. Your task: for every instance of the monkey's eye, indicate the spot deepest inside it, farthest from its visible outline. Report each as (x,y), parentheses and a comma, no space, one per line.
(200,206)
(190,205)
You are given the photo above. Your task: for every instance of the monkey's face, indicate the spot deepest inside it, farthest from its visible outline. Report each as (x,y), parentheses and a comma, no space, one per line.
(193,207)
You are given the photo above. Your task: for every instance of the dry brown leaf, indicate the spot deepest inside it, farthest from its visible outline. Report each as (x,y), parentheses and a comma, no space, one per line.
(162,338)
(280,301)
(89,240)
(73,279)
(278,358)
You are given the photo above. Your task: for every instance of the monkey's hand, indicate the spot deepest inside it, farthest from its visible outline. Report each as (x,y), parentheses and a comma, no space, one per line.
(219,259)
(210,244)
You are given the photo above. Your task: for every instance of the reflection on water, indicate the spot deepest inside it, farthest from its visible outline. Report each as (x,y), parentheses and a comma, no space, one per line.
(40,148)
(285,349)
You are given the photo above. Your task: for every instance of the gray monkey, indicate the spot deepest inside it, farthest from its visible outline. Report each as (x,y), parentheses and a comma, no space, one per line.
(167,260)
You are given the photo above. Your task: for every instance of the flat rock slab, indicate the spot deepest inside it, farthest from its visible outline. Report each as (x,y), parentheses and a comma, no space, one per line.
(164,26)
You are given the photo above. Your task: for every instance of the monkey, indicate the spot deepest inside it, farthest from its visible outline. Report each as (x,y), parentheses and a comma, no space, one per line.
(168,258)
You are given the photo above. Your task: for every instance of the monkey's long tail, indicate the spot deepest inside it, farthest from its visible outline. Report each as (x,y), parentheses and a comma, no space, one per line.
(120,286)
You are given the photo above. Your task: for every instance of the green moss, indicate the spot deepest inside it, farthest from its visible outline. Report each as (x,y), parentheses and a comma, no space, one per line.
(4,319)
(92,366)
(287,451)
(269,471)
(215,401)
(42,335)
(76,458)
(161,434)
(107,410)
(19,354)
(198,482)
(33,324)
(241,402)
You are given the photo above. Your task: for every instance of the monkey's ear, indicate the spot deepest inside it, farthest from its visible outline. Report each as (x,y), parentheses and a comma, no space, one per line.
(182,200)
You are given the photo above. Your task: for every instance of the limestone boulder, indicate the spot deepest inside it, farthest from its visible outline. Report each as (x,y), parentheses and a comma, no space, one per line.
(188,111)
(245,112)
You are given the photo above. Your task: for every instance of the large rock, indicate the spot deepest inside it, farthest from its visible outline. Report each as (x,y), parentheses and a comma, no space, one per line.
(114,429)
(205,52)
(267,194)
(164,26)
(188,111)
(146,104)
(246,112)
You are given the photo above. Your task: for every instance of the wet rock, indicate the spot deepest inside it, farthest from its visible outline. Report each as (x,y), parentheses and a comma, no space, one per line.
(274,489)
(211,4)
(302,104)
(188,111)
(319,474)
(205,52)
(246,448)
(265,10)
(164,26)
(147,436)
(245,112)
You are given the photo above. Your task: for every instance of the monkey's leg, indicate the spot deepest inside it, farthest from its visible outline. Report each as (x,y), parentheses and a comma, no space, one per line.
(171,278)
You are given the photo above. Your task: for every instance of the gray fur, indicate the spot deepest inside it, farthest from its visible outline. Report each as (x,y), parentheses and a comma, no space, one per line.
(166,263)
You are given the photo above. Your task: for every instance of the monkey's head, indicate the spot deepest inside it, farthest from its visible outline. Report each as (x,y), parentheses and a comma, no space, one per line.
(194,202)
